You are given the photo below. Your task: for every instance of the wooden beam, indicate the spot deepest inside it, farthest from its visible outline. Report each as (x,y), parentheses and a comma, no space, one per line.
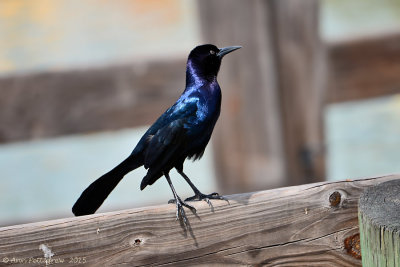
(76,101)
(301,70)
(308,224)
(364,68)
(247,141)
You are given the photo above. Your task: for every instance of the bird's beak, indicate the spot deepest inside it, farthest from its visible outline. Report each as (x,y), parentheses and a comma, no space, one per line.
(226,50)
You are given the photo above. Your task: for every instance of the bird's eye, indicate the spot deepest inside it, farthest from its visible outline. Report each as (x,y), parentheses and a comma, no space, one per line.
(212,52)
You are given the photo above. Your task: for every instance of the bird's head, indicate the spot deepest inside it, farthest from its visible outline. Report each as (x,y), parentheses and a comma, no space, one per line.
(204,61)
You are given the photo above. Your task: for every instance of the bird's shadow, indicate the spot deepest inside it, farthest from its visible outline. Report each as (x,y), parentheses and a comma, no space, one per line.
(242,199)
(187,228)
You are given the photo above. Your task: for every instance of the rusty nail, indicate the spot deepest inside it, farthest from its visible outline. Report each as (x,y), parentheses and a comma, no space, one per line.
(352,246)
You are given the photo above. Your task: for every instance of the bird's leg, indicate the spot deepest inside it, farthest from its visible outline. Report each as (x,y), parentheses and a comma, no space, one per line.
(180,212)
(197,194)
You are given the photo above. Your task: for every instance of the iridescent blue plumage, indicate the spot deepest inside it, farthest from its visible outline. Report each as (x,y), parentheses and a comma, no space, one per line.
(182,132)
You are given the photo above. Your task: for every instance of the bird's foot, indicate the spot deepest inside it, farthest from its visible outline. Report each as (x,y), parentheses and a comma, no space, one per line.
(200,196)
(180,211)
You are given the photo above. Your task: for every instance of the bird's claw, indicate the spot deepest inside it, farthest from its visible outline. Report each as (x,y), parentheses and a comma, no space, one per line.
(206,198)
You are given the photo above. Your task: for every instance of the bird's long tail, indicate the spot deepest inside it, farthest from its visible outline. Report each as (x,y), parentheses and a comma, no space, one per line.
(93,196)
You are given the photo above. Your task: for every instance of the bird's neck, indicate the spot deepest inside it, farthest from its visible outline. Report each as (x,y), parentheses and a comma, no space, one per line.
(196,78)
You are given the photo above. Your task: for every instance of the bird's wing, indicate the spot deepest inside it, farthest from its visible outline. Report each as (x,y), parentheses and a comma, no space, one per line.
(163,145)
(183,108)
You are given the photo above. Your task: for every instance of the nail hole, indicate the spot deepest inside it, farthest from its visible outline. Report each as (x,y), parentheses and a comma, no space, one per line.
(137,242)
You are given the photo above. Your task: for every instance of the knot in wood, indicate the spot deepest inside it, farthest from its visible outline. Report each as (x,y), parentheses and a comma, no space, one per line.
(352,246)
(136,242)
(334,199)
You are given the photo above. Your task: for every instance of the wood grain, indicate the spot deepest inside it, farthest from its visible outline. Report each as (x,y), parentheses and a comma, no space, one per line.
(379,219)
(292,226)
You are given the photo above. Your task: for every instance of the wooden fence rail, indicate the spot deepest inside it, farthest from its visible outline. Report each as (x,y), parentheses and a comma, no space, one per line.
(306,225)
(49,104)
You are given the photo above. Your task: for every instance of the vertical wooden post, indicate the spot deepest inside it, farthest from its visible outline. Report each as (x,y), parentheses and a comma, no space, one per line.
(379,219)
(273,92)
(247,140)
(301,71)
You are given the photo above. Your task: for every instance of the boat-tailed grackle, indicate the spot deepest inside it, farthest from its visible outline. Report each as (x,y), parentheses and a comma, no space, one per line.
(182,132)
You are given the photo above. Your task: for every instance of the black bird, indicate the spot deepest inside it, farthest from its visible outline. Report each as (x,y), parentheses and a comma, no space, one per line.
(182,132)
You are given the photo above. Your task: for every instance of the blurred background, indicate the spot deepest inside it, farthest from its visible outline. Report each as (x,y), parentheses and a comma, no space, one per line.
(313,95)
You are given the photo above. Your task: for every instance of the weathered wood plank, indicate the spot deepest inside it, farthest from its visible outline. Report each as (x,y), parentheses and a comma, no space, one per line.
(304,225)
(77,101)
(364,68)
(301,74)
